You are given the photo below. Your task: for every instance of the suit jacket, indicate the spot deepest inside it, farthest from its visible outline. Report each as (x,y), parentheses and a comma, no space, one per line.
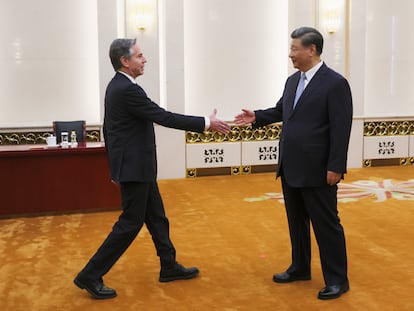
(315,135)
(129,130)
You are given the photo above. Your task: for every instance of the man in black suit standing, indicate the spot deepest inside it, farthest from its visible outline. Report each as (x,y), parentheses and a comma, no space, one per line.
(130,145)
(312,159)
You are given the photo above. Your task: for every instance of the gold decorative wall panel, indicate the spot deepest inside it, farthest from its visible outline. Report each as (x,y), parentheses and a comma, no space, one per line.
(273,132)
(34,137)
(388,128)
(237,133)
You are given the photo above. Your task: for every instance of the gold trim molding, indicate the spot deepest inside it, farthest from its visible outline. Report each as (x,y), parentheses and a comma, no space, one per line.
(235,170)
(191,172)
(407,161)
(236,134)
(273,132)
(388,162)
(22,138)
(388,128)
(241,170)
(232,171)
(367,163)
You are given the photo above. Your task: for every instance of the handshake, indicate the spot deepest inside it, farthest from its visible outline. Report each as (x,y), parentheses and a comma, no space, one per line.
(244,118)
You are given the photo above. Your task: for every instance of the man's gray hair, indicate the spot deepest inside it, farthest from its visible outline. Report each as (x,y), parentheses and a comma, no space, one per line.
(119,48)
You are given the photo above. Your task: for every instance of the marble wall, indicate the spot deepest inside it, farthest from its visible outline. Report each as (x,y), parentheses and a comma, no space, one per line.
(201,55)
(49,61)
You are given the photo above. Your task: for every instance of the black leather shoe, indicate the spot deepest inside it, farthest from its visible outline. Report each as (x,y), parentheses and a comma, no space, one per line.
(333,291)
(177,272)
(97,289)
(285,277)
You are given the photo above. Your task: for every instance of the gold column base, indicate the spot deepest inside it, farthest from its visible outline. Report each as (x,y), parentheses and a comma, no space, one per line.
(387,162)
(232,171)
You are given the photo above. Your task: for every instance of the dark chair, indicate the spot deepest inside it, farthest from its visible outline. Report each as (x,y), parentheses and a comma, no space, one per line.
(68,126)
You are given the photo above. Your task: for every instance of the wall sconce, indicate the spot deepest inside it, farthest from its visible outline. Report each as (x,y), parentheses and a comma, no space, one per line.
(142,16)
(331,14)
(142,21)
(332,21)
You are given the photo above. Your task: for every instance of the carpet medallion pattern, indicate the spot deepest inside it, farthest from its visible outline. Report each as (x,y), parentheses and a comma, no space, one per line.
(378,190)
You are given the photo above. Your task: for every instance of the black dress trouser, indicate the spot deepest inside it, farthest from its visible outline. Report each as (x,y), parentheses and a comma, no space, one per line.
(318,206)
(141,203)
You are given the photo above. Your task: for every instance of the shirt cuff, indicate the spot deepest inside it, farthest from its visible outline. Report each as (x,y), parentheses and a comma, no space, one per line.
(206,123)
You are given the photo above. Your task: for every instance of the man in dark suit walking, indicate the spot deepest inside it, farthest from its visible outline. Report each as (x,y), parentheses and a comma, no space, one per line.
(130,145)
(316,110)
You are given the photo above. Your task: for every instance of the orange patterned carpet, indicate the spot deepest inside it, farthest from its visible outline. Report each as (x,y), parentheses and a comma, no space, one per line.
(234,229)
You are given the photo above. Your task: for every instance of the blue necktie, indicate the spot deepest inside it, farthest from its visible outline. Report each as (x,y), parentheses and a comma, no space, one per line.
(300,88)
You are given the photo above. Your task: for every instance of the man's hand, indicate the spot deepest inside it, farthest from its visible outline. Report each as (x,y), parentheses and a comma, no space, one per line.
(217,124)
(246,117)
(333,178)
